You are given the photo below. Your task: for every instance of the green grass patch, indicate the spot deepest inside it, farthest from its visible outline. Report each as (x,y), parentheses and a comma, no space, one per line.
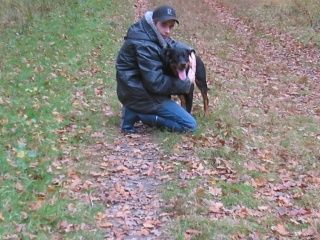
(273,138)
(223,120)
(176,189)
(185,197)
(224,152)
(50,74)
(209,229)
(234,194)
(309,199)
(298,17)
(22,13)
(300,137)
(168,140)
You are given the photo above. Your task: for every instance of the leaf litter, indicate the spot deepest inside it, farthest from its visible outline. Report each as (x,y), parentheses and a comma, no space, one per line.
(131,170)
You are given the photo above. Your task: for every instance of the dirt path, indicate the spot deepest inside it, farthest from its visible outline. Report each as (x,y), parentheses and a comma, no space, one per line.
(125,177)
(131,188)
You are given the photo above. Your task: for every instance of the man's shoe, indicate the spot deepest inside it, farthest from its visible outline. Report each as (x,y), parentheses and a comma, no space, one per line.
(128,119)
(129,130)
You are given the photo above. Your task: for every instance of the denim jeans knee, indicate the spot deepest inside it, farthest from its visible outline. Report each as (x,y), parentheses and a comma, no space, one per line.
(183,121)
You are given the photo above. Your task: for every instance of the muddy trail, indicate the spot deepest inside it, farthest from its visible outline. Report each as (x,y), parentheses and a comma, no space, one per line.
(130,190)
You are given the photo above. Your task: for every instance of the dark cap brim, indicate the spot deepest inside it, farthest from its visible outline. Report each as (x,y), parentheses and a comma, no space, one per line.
(167,18)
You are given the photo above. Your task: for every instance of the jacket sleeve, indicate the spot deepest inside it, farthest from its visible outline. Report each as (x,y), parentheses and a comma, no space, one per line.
(153,78)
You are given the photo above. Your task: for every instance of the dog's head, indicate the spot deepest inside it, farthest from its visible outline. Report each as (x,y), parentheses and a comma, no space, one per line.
(177,59)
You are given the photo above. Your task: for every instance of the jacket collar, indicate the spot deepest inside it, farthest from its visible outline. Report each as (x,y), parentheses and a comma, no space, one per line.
(145,29)
(148,18)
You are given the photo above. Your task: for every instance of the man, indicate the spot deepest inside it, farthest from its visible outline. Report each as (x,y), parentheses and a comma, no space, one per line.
(142,87)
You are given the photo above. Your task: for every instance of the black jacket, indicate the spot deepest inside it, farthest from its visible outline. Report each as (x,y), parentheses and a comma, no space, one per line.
(141,80)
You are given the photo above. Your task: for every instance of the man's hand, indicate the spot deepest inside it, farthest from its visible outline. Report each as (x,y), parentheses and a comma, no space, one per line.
(192,69)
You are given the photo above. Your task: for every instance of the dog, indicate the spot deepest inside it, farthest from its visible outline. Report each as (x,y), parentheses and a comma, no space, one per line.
(177,64)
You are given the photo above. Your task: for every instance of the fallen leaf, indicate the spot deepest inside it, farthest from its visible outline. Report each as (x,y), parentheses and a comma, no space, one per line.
(35,205)
(105,225)
(99,216)
(259,182)
(108,111)
(307,232)
(19,227)
(144,232)
(215,191)
(243,212)
(215,207)
(191,233)
(120,169)
(251,166)
(200,193)
(21,154)
(40,196)
(284,201)
(24,215)
(19,187)
(150,170)
(66,227)
(263,208)
(1,217)
(280,229)
(97,135)
(72,208)
(148,224)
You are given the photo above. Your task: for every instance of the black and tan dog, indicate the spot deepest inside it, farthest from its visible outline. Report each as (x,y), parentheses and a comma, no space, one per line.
(177,63)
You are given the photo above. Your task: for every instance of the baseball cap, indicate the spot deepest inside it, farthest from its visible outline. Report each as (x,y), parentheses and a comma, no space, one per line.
(164,13)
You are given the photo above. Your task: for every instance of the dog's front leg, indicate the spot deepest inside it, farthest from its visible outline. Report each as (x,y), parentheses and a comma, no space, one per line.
(189,99)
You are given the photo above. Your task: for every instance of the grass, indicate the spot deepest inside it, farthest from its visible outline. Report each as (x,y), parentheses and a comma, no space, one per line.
(297,17)
(21,13)
(209,229)
(276,141)
(57,90)
(188,202)
(168,140)
(234,194)
(54,57)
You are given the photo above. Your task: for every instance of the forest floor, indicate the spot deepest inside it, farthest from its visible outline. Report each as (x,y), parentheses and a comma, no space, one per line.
(251,171)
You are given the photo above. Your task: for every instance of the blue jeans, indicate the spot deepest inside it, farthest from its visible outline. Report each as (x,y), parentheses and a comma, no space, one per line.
(169,115)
